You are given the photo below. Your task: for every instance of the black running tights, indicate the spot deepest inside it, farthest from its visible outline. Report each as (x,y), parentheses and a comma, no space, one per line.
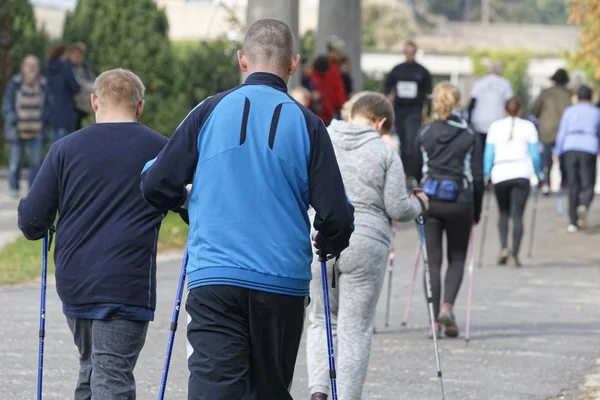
(456,220)
(512,197)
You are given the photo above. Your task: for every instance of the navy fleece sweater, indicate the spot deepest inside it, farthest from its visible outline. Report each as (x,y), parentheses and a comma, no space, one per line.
(106,233)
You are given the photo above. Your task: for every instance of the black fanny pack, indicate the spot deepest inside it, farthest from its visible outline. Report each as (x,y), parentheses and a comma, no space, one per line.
(441,189)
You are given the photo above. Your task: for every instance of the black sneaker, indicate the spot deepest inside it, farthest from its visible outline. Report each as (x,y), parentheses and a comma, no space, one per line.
(318,396)
(447,319)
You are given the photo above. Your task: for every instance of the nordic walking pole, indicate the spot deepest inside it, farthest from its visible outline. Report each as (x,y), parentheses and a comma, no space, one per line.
(322,259)
(420,223)
(412,285)
(470,287)
(486,214)
(163,385)
(536,199)
(390,272)
(42,333)
(559,197)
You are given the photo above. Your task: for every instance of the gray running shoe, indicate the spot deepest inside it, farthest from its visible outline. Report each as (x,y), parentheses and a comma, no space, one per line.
(504,256)
(447,319)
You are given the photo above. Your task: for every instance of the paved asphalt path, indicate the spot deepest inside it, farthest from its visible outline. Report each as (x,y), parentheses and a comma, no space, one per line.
(535,331)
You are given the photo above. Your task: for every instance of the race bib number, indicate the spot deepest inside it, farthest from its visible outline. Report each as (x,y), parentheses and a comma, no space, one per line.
(406,90)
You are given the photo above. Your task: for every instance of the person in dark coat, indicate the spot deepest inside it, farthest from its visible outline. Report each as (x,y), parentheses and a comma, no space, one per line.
(62,87)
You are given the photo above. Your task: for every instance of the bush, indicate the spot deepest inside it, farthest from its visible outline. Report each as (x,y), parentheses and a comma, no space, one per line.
(25,36)
(205,68)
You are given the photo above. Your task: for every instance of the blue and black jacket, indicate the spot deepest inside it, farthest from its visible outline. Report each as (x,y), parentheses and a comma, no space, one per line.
(257,159)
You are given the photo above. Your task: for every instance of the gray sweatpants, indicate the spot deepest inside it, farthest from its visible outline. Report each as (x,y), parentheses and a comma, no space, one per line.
(360,272)
(108,352)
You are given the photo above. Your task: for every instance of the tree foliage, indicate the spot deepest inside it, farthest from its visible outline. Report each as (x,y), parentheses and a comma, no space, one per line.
(587,14)
(26,38)
(385,25)
(205,68)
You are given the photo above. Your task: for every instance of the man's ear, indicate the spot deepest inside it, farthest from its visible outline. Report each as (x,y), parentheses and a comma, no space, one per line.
(242,61)
(294,64)
(140,109)
(94,100)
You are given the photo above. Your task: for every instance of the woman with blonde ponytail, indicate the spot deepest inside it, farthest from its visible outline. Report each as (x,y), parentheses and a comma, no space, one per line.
(452,168)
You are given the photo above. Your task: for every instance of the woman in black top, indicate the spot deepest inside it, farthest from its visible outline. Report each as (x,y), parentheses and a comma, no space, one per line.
(452,168)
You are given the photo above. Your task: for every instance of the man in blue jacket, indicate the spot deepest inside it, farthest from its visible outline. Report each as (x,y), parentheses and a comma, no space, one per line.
(257,160)
(105,237)
(25,110)
(577,144)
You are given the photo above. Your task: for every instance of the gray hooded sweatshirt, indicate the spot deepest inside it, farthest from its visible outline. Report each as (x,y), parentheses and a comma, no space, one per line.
(374,179)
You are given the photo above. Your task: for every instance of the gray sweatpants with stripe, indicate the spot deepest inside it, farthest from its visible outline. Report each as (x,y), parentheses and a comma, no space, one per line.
(359,274)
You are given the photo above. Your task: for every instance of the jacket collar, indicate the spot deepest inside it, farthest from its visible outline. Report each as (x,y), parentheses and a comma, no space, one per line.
(265,78)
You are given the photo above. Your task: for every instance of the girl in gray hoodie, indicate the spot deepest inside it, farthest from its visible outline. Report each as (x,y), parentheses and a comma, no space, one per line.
(374,180)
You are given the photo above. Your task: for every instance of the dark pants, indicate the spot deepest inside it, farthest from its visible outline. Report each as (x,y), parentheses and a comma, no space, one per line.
(244,342)
(547,162)
(483,138)
(512,197)
(407,127)
(16,150)
(108,352)
(580,168)
(456,220)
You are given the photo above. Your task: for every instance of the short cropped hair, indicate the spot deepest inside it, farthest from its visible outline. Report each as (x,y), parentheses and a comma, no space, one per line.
(119,87)
(269,41)
(412,44)
(495,68)
(375,106)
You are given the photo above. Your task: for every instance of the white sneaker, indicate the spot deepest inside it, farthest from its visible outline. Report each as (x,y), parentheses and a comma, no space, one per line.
(582,217)
(572,228)
(545,189)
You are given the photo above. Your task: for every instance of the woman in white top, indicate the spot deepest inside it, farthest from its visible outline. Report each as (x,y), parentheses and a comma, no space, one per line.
(511,157)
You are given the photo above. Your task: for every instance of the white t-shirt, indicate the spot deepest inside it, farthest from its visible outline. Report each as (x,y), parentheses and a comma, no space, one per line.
(511,157)
(492,92)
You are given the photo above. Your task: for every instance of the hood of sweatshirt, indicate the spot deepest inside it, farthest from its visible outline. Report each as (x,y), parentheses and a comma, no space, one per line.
(349,136)
(449,129)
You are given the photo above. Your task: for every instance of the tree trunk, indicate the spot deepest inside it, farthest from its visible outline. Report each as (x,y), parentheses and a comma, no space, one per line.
(343,19)
(6,42)
(283,10)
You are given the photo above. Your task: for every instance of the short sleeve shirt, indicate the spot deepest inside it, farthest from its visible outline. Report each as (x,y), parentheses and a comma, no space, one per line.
(491,92)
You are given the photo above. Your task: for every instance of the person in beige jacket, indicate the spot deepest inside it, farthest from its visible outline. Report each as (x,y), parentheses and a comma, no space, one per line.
(548,109)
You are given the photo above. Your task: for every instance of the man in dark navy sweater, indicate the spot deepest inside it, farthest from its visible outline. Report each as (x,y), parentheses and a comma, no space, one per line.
(106,234)
(257,159)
